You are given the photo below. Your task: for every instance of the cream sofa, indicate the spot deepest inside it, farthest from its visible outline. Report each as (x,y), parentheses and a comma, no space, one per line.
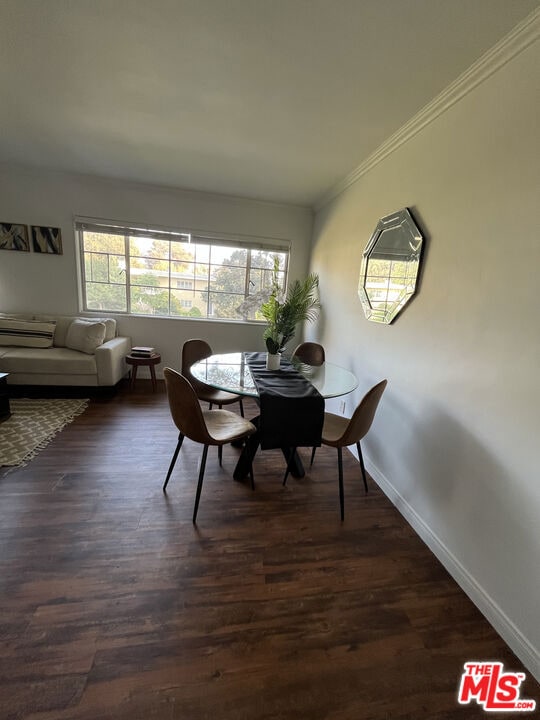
(61,350)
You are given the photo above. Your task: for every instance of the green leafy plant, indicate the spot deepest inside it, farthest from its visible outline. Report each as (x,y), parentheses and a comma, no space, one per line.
(283,314)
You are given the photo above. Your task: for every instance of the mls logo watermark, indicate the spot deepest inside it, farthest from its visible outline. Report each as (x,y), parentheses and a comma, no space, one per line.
(488,685)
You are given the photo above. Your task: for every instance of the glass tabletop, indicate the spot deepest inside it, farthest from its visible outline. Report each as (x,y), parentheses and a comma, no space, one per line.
(230,372)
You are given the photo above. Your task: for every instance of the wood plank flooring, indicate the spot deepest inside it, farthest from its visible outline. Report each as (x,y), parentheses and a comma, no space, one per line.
(114,606)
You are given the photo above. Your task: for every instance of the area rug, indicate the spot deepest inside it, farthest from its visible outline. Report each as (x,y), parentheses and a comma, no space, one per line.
(32,425)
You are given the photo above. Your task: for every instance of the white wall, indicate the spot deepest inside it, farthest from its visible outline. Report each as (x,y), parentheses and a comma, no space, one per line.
(48,283)
(455,441)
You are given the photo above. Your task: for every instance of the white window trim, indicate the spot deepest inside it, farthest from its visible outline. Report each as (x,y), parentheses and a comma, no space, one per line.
(251,242)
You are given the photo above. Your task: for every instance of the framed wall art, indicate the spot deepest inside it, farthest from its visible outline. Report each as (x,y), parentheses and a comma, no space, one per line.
(14,237)
(46,240)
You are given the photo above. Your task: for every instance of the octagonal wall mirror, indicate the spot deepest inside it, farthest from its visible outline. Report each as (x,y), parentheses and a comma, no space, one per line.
(390,267)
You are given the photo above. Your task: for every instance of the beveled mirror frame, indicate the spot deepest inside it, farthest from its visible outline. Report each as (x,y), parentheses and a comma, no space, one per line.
(390,267)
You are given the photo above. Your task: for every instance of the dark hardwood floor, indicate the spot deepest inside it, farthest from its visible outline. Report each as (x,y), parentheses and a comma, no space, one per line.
(113,605)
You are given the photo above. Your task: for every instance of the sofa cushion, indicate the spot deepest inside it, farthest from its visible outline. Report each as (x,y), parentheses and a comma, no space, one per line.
(62,327)
(26,333)
(47,361)
(110,327)
(64,321)
(85,336)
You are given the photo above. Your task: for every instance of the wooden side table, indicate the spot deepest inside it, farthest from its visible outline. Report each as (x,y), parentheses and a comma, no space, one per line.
(150,362)
(5,410)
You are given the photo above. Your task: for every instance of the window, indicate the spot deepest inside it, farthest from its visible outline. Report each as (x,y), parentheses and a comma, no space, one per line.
(175,274)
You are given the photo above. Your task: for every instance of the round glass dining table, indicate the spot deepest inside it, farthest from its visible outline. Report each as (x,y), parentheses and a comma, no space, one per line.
(230,372)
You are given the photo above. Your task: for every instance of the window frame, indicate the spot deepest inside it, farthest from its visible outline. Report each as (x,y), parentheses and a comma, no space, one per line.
(157,232)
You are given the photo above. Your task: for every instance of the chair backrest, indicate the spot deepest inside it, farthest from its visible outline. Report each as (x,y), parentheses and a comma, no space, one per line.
(192,352)
(364,414)
(310,353)
(185,409)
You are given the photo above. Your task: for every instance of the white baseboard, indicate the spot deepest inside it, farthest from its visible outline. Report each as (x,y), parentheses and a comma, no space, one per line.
(517,642)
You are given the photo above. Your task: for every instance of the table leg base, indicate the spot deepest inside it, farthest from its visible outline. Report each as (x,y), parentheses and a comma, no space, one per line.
(241,471)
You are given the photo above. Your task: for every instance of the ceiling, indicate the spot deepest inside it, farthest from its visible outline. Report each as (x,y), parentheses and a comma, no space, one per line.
(271,99)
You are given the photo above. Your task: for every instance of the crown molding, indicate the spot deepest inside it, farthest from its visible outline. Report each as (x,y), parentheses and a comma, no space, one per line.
(523,35)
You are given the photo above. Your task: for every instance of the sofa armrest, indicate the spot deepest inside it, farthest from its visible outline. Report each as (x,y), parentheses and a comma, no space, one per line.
(110,360)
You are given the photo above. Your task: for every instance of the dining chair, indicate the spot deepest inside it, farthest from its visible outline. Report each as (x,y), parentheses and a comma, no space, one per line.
(207,427)
(340,432)
(310,353)
(193,351)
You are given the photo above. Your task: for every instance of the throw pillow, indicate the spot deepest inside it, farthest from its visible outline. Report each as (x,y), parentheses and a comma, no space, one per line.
(110,326)
(26,333)
(85,336)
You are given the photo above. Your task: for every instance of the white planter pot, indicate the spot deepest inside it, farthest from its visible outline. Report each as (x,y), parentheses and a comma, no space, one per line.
(273,361)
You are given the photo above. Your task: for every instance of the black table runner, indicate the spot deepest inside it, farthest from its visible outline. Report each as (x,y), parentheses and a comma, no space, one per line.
(292,409)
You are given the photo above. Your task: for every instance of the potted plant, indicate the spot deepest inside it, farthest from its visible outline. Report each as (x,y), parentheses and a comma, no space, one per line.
(283,314)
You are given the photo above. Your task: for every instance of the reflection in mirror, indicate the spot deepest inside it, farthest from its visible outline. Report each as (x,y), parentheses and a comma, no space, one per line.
(390,266)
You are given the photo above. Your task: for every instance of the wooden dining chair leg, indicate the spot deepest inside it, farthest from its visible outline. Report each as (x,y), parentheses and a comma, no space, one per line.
(313,454)
(241,408)
(173,461)
(199,484)
(288,468)
(360,457)
(220,455)
(341,492)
